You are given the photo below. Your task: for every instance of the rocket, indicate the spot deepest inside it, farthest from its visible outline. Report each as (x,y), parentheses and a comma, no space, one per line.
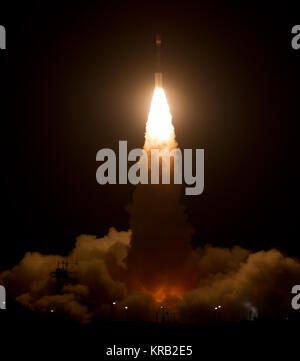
(158,77)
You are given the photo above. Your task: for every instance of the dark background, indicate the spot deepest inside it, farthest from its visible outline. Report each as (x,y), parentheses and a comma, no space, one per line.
(78,78)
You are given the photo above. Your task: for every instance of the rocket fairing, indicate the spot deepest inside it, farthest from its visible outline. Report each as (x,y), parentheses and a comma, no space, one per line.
(158,76)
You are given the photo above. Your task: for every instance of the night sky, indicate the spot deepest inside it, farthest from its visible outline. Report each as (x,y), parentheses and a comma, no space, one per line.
(78,78)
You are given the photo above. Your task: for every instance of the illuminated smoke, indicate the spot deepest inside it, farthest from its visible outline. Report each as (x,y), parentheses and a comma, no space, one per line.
(95,273)
(242,282)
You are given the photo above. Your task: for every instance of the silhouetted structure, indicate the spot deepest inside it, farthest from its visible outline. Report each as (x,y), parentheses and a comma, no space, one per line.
(62,275)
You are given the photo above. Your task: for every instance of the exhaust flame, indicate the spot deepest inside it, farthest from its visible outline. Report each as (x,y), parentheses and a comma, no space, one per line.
(161,294)
(164,293)
(159,127)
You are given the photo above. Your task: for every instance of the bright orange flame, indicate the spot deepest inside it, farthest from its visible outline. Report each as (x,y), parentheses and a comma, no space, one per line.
(161,293)
(159,127)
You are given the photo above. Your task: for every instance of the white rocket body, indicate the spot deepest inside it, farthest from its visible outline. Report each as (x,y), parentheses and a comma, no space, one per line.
(158,76)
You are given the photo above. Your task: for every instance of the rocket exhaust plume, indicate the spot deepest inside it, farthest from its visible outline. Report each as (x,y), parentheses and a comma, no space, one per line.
(159,128)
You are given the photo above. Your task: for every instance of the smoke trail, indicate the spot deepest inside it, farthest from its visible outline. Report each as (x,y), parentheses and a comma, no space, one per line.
(161,232)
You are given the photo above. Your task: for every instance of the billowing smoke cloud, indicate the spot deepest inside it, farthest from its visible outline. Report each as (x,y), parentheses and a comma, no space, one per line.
(242,282)
(95,272)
